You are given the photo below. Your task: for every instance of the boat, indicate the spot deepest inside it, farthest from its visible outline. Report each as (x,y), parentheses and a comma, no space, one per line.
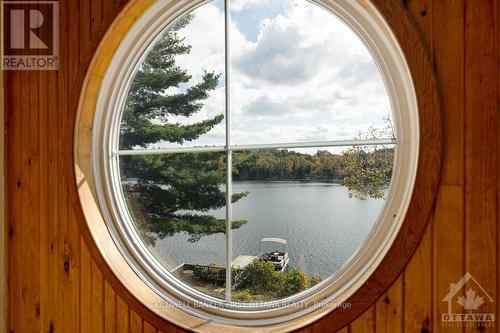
(278,257)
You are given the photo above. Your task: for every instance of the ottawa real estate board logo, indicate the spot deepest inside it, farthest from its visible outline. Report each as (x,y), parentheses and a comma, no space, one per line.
(467,300)
(30,35)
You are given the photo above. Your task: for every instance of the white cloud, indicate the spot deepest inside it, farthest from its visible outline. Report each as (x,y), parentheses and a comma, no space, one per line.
(305,75)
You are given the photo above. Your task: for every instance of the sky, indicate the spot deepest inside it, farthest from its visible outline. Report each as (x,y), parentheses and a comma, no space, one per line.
(297,74)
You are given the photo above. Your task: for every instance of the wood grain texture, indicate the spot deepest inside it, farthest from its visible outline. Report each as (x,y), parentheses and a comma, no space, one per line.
(389,309)
(417,282)
(418,288)
(404,26)
(109,308)
(481,137)
(365,323)
(448,55)
(463,50)
(448,249)
(56,283)
(122,316)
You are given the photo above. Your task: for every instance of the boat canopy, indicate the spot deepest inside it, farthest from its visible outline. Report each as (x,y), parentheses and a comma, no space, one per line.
(274,240)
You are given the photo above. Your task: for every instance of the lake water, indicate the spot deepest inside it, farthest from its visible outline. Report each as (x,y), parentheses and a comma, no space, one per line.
(323,226)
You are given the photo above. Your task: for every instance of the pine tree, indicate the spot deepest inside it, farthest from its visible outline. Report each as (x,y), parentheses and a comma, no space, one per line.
(171,193)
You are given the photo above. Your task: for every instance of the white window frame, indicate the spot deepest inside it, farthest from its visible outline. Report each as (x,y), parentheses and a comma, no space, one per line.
(366,22)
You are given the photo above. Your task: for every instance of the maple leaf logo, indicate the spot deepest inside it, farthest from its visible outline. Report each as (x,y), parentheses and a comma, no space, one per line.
(470,301)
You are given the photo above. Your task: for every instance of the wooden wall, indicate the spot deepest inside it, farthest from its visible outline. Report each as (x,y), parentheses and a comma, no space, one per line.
(55,284)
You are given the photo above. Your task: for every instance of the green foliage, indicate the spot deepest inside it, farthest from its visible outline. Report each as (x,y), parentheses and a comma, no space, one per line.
(281,164)
(367,170)
(171,193)
(209,273)
(149,106)
(260,277)
(259,281)
(367,174)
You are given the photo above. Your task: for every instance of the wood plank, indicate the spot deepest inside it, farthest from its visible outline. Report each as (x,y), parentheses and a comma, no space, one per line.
(417,283)
(135,322)
(85,288)
(85,32)
(97,307)
(30,254)
(44,193)
(422,12)
(148,328)
(448,242)
(4,225)
(418,287)
(122,316)
(69,242)
(95,19)
(71,269)
(109,308)
(53,310)
(448,50)
(74,40)
(481,167)
(498,163)
(364,323)
(448,245)
(15,184)
(389,309)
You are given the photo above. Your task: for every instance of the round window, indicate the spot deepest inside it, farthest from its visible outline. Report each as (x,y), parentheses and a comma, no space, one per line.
(254,159)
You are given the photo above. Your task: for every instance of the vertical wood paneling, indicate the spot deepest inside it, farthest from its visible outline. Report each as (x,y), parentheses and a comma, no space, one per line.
(148,328)
(365,323)
(122,316)
(52,310)
(84,29)
(74,33)
(417,284)
(498,164)
(55,284)
(30,290)
(95,18)
(135,322)
(44,207)
(418,288)
(447,45)
(448,225)
(448,55)
(14,183)
(109,308)
(85,288)
(389,309)
(448,245)
(481,167)
(97,308)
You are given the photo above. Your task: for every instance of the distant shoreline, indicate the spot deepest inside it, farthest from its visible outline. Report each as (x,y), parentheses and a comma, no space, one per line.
(331,181)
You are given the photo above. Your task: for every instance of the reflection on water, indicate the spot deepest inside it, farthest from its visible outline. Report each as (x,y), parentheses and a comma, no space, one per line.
(323,226)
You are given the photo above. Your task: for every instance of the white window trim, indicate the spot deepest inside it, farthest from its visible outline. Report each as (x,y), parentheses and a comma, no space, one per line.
(371,28)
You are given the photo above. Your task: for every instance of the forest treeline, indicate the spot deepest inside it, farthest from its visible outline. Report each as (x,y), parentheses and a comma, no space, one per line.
(281,164)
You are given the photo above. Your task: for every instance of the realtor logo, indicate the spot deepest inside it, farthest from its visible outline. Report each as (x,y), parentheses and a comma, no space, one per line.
(30,35)
(468,312)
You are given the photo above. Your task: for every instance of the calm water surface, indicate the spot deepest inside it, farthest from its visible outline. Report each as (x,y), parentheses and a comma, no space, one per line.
(323,226)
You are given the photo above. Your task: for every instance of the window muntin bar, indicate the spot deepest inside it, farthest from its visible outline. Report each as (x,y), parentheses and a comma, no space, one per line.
(335,143)
(229,170)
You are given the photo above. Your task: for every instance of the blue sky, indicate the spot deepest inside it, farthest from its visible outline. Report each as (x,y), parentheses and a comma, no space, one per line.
(297,73)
